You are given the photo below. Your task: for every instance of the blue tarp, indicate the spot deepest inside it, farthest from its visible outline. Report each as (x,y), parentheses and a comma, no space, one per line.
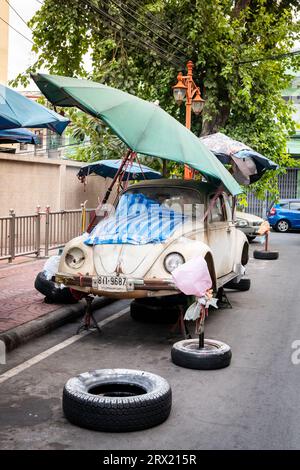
(18,111)
(138,220)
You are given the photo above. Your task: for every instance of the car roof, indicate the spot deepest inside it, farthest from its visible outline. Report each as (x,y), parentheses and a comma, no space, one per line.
(285,201)
(164,182)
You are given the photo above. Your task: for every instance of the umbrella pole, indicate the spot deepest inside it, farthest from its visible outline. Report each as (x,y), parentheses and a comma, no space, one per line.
(124,161)
(107,194)
(233,206)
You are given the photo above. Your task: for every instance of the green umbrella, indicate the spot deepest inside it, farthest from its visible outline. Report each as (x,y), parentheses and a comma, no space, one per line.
(143,126)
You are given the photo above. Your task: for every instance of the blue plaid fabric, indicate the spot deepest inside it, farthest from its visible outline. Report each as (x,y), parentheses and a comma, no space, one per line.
(138,220)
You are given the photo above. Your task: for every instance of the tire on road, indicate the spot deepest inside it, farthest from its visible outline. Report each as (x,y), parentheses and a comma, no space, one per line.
(117,400)
(243,285)
(260,254)
(52,293)
(160,310)
(214,355)
(250,238)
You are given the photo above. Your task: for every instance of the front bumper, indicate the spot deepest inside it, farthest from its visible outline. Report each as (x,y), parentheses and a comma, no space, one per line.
(90,284)
(250,230)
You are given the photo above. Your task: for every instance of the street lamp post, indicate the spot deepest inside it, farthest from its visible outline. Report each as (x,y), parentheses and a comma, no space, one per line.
(188,90)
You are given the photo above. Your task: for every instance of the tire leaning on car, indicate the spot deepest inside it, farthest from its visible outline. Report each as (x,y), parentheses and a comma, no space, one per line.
(117,400)
(214,355)
(52,293)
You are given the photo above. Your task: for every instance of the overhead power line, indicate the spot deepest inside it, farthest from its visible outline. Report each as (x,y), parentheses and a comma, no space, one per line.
(17,13)
(164,27)
(272,57)
(137,34)
(148,45)
(131,13)
(21,34)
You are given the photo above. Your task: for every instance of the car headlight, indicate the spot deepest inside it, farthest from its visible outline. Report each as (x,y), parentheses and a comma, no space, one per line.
(172,261)
(241,223)
(75,258)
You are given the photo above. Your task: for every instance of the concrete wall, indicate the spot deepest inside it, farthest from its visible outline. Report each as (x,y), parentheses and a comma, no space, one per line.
(4,13)
(28,181)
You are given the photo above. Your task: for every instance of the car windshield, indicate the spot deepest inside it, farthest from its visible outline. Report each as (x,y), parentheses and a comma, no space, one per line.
(142,218)
(177,198)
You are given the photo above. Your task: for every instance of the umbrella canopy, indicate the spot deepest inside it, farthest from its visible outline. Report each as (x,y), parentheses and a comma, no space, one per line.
(248,165)
(143,126)
(12,136)
(109,168)
(18,111)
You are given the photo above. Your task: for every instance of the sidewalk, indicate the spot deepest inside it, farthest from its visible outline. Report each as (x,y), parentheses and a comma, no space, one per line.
(23,313)
(19,301)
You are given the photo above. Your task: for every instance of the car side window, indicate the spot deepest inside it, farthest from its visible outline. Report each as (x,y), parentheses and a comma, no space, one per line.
(295,206)
(228,202)
(284,205)
(217,212)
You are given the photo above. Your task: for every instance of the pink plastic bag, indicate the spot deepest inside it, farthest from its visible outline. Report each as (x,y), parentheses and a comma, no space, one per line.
(193,277)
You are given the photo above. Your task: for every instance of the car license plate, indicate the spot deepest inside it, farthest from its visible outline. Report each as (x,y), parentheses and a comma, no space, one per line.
(112,283)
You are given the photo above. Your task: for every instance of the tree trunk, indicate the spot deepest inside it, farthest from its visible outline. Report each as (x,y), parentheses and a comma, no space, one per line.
(239,6)
(165,169)
(217,121)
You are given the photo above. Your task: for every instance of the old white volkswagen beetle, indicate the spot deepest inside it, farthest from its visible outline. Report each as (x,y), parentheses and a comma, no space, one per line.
(126,270)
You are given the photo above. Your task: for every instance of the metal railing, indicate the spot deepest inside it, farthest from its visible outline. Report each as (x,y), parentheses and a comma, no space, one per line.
(41,232)
(288,189)
(5,234)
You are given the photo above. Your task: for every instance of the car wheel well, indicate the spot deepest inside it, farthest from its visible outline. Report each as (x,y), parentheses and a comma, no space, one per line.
(245,254)
(211,268)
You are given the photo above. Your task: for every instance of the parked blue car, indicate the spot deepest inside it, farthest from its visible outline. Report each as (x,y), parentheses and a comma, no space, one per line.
(285,215)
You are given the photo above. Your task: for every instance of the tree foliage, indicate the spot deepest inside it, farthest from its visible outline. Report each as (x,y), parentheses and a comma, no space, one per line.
(238,47)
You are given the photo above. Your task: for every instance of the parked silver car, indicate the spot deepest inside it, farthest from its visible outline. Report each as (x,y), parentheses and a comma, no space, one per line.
(249,224)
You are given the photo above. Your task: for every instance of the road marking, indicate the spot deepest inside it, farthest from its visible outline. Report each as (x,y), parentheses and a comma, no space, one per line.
(40,357)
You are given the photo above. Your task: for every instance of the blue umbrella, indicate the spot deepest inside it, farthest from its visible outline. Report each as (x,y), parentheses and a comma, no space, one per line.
(12,136)
(109,168)
(18,111)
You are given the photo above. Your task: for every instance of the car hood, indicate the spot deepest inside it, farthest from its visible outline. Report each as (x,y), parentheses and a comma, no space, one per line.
(134,260)
(248,217)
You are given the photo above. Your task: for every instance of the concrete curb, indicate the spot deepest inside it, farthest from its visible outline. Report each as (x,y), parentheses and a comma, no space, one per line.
(23,333)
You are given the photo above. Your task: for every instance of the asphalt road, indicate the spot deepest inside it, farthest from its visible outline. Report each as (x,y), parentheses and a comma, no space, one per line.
(253,404)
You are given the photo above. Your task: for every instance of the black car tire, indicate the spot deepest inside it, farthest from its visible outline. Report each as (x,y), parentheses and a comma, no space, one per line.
(243,285)
(53,294)
(250,238)
(160,310)
(117,400)
(282,226)
(260,254)
(214,355)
